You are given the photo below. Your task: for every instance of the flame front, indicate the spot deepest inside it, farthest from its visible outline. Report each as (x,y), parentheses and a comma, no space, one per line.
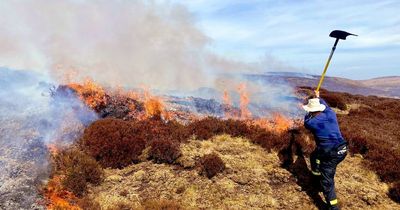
(244,101)
(282,123)
(90,92)
(278,124)
(154,106)
(227,103)
(57,197)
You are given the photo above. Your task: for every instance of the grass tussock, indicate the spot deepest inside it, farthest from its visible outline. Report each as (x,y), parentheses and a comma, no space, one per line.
(211,165)
(160,205)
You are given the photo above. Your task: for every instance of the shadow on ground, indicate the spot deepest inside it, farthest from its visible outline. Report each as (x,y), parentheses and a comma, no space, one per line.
(298,168)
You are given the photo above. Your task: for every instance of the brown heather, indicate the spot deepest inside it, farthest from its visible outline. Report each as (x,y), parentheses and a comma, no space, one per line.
(113,143)
(164,151)
(78,169)
(211,165)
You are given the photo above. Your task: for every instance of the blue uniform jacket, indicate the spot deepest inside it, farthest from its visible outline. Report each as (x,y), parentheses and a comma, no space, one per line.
(325,128)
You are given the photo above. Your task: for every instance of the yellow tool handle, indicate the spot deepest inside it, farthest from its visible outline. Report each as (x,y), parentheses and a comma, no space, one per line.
(326,65)
(323,73)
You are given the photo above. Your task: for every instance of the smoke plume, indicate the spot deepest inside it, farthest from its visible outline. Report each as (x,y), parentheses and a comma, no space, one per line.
(128,43)
(32,118)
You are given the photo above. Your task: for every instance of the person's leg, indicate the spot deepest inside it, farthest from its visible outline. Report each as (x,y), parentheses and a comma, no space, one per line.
(328,169)
(316,174)
(314,161)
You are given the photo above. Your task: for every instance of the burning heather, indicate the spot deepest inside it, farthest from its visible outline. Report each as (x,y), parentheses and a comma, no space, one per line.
(40,120)
(123,106)
(59,143)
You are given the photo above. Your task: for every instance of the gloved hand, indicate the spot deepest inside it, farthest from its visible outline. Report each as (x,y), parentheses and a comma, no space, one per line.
(316,93)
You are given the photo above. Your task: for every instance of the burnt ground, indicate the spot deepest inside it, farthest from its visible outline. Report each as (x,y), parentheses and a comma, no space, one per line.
(23,163)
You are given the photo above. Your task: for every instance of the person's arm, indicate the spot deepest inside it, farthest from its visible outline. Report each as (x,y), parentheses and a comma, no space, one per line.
(322,101)
(309,122)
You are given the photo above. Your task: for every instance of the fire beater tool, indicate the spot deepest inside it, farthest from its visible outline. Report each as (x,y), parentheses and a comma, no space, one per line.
(338,35)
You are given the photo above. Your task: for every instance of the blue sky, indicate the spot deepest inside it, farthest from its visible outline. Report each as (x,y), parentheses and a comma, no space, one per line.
(295,32)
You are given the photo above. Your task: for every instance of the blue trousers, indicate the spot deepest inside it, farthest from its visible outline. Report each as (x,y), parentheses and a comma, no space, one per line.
(323,165)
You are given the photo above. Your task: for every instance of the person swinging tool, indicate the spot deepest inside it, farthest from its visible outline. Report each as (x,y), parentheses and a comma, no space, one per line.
(331,148)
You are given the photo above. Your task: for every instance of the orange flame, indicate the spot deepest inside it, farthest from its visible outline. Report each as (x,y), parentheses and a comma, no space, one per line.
(244,101)
(53,149)
(226,98)
(91,93)
(278,124)
(154,106)
(263,123)
(282,123)
(227,102)
(57,197)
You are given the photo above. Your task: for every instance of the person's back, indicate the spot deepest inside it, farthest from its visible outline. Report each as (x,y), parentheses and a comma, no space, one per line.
(331,148)
(325,127)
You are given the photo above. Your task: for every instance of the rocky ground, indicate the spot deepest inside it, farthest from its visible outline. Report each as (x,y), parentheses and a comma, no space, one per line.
(253,179)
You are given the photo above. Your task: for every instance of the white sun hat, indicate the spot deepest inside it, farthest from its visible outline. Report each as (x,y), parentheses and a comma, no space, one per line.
(314,106)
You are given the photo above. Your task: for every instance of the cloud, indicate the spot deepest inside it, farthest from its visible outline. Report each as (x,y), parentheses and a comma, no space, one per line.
(296,32)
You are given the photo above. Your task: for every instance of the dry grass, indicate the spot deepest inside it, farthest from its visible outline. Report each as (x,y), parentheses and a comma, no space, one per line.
(160,205)
(256,181)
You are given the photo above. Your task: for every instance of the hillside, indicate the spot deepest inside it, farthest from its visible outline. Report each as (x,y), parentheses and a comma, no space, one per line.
(253,179)
(212,163)
(383,86)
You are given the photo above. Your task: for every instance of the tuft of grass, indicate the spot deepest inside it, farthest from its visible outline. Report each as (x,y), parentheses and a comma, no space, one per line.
(211,165)
(161,205)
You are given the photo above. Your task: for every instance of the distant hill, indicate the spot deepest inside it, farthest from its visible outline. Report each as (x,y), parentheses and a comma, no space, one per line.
(382,86)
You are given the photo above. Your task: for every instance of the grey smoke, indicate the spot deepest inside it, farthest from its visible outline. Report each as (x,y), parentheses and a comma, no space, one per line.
(31,118)
(126,43)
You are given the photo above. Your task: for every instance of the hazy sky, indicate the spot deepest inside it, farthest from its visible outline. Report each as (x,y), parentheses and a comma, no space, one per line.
(296,33)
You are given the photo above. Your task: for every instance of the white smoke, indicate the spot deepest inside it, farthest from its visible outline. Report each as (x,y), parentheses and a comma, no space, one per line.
(128,43)
(32,118)
(125,43)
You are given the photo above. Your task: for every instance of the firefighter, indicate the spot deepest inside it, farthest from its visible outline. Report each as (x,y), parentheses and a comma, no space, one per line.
(331,147)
